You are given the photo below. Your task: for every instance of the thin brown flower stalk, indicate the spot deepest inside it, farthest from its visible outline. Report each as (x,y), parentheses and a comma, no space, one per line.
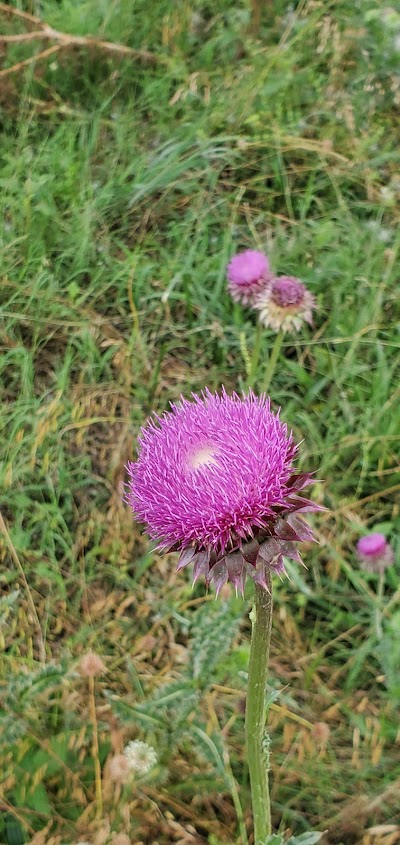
(95,748)
(255,20)
(258,10)
(31,603)
(64,41)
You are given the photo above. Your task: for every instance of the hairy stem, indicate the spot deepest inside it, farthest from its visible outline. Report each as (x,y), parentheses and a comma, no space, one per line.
(261,618)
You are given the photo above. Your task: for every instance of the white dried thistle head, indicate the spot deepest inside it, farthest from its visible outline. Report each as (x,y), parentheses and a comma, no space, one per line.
(141,757)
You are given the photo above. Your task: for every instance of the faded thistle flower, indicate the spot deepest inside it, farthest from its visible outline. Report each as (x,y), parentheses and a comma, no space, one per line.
(285,304)
(91,665)
(140,756)
(321,732)
(119,769)
(374,553)
(247,274)
(215,480)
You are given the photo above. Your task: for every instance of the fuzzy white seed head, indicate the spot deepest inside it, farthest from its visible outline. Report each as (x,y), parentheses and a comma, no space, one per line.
(140,756)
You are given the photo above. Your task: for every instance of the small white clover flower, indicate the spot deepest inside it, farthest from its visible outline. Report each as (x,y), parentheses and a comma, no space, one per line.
(140,756)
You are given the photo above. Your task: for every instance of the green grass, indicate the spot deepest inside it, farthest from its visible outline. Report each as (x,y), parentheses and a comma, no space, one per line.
(124,189)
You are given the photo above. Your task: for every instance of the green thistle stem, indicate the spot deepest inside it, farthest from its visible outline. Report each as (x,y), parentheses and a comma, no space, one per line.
(379,606)
(261,618)
(270,368)
(256,355)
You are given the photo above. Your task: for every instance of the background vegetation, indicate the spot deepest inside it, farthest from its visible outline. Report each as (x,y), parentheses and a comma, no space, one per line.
(126,185)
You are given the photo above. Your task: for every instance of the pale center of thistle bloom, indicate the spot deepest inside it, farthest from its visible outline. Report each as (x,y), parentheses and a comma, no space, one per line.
(203,456)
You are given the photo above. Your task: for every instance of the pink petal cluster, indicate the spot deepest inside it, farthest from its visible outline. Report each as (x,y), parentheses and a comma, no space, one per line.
(375,553)
(215,480)
(247,274)
(285,303)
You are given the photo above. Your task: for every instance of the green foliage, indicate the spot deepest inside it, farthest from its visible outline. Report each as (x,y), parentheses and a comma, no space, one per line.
(125,188)
(388,652)
(173,713)
(212,633)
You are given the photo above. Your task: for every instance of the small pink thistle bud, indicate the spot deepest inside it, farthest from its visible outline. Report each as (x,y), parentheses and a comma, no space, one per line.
(321,733)
(91,665)
(374,553)
(215,480)
(285,304)
(247,274)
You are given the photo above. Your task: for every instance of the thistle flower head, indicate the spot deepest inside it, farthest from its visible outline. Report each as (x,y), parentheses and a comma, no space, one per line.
(374,553)
(215,480)
(284,304)
(247,274)
(140,756)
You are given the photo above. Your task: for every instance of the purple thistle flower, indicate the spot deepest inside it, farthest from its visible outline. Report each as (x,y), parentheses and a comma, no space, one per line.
(247,274)
(215,480)
(284,304)
(374,553)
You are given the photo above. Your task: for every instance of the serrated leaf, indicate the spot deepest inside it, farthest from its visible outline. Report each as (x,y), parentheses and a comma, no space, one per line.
(214,629)
(210,746)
